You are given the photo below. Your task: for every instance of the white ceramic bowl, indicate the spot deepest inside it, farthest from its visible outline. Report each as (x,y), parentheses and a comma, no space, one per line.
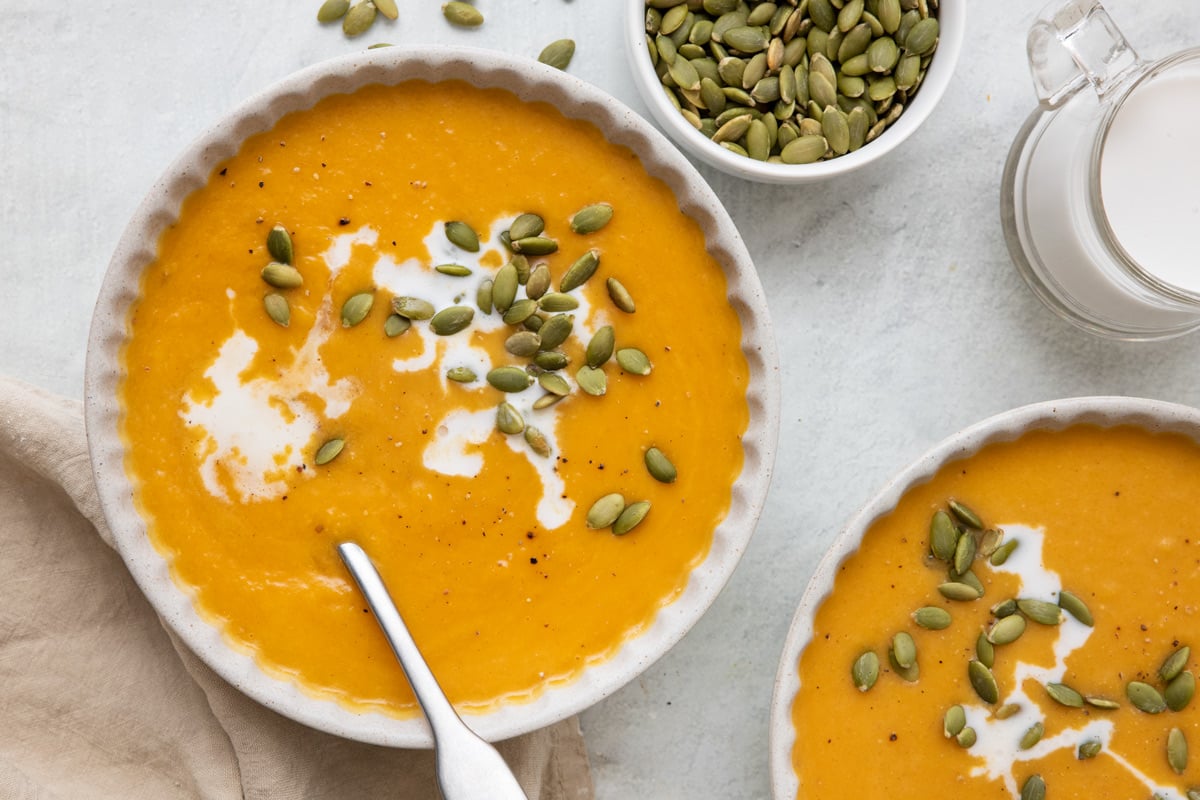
(1153,415)
(952,22)
(530,81)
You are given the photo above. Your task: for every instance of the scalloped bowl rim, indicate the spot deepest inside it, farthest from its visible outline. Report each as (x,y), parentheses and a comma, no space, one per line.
(531,81)
(1105,411)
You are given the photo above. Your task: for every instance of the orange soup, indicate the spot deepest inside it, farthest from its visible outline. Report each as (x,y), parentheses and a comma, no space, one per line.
(1071,677)
(533,435)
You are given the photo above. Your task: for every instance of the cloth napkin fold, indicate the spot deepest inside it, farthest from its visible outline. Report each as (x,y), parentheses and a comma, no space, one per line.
(98,700)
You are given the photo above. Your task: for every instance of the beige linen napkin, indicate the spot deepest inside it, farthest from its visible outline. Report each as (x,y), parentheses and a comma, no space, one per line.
(98,701)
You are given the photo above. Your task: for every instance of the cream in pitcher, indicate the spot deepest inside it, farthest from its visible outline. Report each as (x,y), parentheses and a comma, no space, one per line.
(1099,199)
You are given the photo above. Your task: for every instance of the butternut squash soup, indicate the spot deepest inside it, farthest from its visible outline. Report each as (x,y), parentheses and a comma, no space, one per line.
(1020,626)
(463,331)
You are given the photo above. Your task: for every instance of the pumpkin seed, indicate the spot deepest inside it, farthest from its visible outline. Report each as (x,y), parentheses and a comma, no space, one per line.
(1034,788)
(953,590)
(684,74)
(922,36)
(504,288)
(521,265)
(1089,749)
(578,273)
(387,8)
(1007,710)
(1101,702)
(462,235)
(509,379)
(942,536)
(551,359)
(1040,611)
(865,670)
(1145,697)
(332,10)
(836,129)
(538,283)
(600,347)
(1005,608)
(966,738)
(972,580)
(631,517)
(359,18)
(328,451)
(1002,553)
(932,618)
(545,401)
(1063,694)
(277,309)
(985,651)
(592,380)
(520,311)
(453,270)
(556,330)
(558,53)
(1174,664)
(1075,607)
(451,320)
(1177,750)
(282,276)
(535,246)
(279,245)
(911,674)
(395,325)
(592,218)
(558,301)
(983,681)
(483,296)
(964,553)
(734,129)
(412,307)
(605,511)
(965,514)
(620,296)
(1007,630)
(953,721)
(461,374)
(537,441)
(804,150)
(634,361)
(356,308)
(659,466)
(904,650)
(1179,691)
(523,344)
(554,384)
(508,419)
(464,15)
(526,225)
(991,537)
(1032,735)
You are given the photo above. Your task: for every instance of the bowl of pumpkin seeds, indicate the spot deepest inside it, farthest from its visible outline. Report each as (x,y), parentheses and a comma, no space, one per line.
(792,91)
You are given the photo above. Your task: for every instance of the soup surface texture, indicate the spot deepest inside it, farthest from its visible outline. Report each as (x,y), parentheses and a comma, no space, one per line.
(1105,515)
(481,536)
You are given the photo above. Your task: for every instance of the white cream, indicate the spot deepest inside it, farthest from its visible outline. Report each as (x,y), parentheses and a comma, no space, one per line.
(998,742)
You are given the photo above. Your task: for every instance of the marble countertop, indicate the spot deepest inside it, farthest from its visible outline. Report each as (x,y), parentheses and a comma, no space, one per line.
(899,316)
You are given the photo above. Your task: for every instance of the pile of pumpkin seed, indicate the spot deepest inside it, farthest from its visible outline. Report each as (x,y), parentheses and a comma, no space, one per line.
(794,81)
(959,539)
(522,294)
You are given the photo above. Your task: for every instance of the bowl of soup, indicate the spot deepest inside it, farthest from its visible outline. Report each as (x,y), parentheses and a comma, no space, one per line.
(478,317)
(1012,616)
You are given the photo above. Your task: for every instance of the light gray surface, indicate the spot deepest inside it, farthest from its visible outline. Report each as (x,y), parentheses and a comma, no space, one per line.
(898,314)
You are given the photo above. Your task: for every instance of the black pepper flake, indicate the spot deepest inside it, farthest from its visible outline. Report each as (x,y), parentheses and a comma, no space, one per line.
(261,184)
(344,221)
(893,738)
(223,171)
(533,560)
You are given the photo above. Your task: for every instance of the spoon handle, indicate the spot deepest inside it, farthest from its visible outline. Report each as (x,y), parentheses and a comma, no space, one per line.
(467,766)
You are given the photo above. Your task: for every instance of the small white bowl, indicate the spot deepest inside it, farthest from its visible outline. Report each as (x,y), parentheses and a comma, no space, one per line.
(952,23)
(1106,412)
(530,81)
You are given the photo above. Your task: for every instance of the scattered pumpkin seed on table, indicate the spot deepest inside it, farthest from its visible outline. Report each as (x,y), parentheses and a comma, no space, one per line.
(463,15)
(558,54)
(359,18)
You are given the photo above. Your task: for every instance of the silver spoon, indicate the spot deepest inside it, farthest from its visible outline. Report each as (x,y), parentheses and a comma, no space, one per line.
(468,768)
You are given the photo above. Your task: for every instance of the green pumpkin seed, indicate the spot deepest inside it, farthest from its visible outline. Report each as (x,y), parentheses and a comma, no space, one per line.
(554,384)
(1089,749)
(904,650)
(1145,697)
(1007,710)
(558,54)
(557,301)
(865,671)
(804,150)
(966,738)
(985,651)
(1063,694)
(556,330)
(880,89)
(277,309)
(483,296)
(538,283)
(520,311)
(1040,611)
(836,129)
(983,681)
(910,674)
(965,515)
(359,18)
(509,379)
(942,536)
(521,265)
(279,245)
(504,288)
(1002,553)
(509,420)
(849,15)
(932,618)
(412,307)
(620,296)
(461,374)
(356,308)
(734,129)
(1177,750)
(922,36)
(659,466)
(451,320)
(328,451)
(453,270)
(990,539)
(1005,608)
(592,218)
(972,580)
(387,8)
(631,517)
(600,347)
(464,15)
(537,441)
(395,325)
(953,721)
(889,15)
(745,39)
(634,361)
(673,18)
(907,72)
(1075,607)
(462,235)
(964,553)
(282,276)
(523,344)
(1007,630)
(953,590)
(592,380)
(332,10)
(1174,664)
(551,360)
(1101,702)
(579,272)
(605,511)
(534,322)
(545,401)
(525,226)
(1032,735)
(1034,788)
(883,55)
(823,14)
(758,141)
(535,246)
(684,74)
(854,43)
(1179,691)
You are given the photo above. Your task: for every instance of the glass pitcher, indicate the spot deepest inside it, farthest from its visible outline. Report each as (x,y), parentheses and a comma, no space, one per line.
(1100,199)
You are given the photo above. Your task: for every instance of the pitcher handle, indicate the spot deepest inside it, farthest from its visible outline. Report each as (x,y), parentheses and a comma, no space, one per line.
(1075,43)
